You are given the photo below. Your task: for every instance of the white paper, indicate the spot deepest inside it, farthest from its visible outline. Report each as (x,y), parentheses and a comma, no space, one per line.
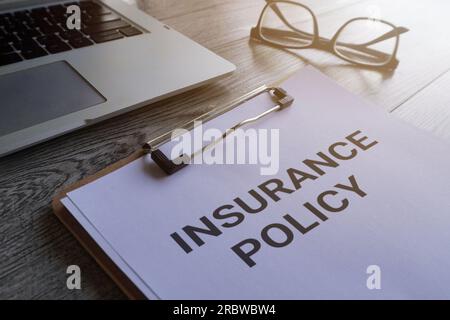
(106,247)
(401,225)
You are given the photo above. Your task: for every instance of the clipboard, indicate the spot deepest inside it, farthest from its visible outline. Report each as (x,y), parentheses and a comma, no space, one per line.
(282,100)
(89,244)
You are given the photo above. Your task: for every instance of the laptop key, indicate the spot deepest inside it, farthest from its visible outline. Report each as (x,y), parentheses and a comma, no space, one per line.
(107,26)
(33,52)
(57,47)
(97,11)
(49,29)
(6,15)
(39,10)
(106,36)
(57,10)
(26,44)
(14,26)
(75,3)
(39,13)
(53,44)
(9,58)
(9,38)
(3,21)
(28,34)
(88,4)
(48,39)
(80,42)
(6,48)
(29,21)
(130,31)
(20,15)
(19,27)
(70,34)
(101,19)
(62,19)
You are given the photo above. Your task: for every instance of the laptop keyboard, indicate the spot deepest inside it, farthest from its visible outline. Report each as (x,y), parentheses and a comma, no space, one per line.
(29,34)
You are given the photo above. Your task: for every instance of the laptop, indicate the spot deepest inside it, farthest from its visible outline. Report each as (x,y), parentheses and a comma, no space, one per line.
(55,79)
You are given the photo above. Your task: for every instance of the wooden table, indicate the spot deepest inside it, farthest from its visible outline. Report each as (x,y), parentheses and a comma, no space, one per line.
(35,248)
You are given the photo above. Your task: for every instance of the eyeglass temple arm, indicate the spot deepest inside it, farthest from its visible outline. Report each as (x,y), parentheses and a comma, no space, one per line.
(281,16)
(388,35)
(323,41)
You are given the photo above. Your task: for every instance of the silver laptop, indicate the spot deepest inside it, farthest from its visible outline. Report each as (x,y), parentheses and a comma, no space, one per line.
(54,79)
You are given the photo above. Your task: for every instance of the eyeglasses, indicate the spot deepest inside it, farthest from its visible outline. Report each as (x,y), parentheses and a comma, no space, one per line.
(362,41)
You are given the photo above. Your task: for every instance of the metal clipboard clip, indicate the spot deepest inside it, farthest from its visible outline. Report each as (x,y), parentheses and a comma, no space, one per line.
(282,100)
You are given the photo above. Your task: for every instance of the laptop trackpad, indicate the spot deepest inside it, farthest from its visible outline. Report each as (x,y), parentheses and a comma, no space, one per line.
(43,93)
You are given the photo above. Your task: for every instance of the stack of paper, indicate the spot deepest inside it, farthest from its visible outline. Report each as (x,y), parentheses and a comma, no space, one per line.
(358,208)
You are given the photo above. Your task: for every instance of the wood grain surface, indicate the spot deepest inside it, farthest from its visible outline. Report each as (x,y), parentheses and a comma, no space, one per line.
(35,248)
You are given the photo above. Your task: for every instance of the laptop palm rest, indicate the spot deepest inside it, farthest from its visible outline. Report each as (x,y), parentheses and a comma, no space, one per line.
(43,93)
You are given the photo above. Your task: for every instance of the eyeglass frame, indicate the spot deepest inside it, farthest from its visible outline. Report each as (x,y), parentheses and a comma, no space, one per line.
(329,45)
